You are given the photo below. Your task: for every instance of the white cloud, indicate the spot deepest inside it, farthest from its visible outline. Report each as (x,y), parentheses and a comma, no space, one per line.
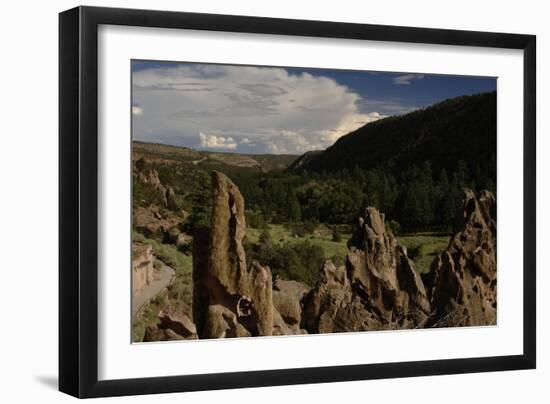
(217,142)
(388,107)
(261,109)
(406,79)
(136,110)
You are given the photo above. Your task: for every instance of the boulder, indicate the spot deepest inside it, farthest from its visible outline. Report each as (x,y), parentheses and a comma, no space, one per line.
(172,201)
(230,298)
(183,239)
(177,237)
(462,281)
(172,326)
(151,223)
(287,297)
(179,323)
(155,334)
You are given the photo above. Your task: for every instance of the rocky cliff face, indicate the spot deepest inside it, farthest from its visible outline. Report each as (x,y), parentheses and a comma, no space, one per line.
(231,298)
(462,282)
(378,288)
(143,272)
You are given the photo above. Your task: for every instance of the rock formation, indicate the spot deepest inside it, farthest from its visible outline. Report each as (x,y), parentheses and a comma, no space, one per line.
(166,193)
(154,224)
(143,271)
(462,281)
(378,288)
(172,326)
(230,298)
(287,313)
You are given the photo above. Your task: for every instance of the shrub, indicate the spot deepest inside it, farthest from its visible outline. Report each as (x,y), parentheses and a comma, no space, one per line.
(393,226)
(336,235)
(299,261)
(180,292)
(147,317)
(141,164)
(255,220)
(301,229)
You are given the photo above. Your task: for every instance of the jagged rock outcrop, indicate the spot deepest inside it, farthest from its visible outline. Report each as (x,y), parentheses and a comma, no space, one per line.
(378,288)
(330,306)
(462,281)
(230,298)
(166,192)
(143,271)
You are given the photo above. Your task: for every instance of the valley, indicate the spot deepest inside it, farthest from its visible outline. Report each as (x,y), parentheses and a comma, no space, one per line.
(303,219)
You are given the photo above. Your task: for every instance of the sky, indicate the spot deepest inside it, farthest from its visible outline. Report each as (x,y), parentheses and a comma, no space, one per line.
(274,110)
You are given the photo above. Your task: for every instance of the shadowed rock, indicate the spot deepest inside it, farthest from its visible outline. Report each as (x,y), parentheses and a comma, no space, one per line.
(172,326)
(462,282)
(287,313)
(231,298)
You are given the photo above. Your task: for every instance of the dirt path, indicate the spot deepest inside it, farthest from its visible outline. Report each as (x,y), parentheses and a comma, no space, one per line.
(195,162)
(167,274)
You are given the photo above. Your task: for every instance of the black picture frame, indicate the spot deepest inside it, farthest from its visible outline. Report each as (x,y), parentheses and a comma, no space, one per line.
(78,203)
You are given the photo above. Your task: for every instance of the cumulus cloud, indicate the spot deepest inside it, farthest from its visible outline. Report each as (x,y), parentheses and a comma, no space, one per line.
(245,109)
(136,110)
(388,107)
(216,142)
(406,79)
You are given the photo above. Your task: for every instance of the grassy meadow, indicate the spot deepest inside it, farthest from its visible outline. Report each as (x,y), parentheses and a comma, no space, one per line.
(424,247)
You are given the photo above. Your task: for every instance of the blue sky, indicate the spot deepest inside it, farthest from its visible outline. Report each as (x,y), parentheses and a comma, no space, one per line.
(254,109)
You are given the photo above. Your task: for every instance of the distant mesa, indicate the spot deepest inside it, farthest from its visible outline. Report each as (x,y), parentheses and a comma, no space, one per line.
(175,155)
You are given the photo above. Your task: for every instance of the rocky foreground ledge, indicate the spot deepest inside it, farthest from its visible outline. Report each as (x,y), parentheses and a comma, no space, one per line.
(378,288)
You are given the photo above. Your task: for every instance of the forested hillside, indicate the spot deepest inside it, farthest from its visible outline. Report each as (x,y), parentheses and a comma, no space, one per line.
(458,129)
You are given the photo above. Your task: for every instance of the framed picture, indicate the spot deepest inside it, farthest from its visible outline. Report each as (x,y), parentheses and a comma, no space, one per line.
(251,201)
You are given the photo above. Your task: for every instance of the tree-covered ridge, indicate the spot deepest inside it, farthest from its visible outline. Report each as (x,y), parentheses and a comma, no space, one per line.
(458,129)
(417,199)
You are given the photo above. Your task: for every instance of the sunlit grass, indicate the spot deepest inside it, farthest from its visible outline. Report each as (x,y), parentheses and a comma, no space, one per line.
(423,248)
(281,235)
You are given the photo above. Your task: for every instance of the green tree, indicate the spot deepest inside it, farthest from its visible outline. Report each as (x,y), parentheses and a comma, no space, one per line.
(201,201)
